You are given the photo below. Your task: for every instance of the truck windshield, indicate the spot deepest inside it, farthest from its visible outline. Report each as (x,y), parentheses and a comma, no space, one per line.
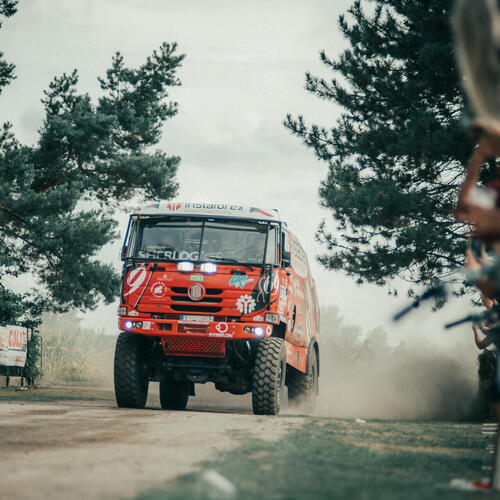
(200,240)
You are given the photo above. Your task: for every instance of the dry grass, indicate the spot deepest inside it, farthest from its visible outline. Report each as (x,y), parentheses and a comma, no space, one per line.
(73,354)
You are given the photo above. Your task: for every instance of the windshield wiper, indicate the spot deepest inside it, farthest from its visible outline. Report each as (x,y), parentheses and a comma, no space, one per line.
(235,261)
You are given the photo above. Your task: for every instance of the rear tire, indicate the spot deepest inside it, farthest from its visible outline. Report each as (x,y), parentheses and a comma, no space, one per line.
(269,377)
(131,374)
(174,395)
(303,387)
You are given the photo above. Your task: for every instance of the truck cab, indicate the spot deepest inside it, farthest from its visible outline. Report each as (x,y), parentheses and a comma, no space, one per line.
(215,293)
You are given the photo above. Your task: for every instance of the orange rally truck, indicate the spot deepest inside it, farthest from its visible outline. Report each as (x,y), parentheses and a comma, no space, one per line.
(215,293)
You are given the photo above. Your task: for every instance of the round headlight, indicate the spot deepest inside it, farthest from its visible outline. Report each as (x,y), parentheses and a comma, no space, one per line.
(128,325)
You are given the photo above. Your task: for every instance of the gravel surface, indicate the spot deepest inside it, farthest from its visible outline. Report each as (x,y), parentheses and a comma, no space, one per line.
(84,449)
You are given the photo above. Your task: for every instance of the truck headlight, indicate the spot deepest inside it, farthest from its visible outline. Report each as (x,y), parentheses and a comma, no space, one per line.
(185,267)
(208,267)
(258,331)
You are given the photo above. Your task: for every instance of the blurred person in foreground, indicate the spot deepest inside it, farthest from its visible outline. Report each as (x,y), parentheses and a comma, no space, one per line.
(477,29)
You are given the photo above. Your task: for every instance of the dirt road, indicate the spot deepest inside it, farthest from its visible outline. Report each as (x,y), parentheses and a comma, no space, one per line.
(90,449)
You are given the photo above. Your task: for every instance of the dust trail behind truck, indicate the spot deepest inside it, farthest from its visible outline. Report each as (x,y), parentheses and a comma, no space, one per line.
(215,293)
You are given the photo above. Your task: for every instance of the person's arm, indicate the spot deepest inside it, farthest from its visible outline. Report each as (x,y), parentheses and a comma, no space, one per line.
(488,147)
(481,343)
(474,167)
(471,262)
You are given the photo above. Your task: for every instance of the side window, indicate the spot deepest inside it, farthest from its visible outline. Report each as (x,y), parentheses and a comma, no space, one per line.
(272,246)
(128,250)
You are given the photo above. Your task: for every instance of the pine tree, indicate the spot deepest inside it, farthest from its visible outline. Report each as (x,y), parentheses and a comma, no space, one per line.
(59,196)
(395,156)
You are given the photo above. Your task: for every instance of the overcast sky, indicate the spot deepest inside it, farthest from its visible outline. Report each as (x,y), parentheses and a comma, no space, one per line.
(243,72)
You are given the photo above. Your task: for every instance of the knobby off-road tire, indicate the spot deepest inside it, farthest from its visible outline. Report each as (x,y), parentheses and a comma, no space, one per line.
(174,395)
(269,377)
(303,387)
(131,376)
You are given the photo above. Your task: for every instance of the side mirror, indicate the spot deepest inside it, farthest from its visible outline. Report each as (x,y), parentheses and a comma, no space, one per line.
(286,259)
(123,253)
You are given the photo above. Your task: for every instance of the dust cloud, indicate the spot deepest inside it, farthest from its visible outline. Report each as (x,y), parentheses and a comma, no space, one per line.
(366,376)
(362,374)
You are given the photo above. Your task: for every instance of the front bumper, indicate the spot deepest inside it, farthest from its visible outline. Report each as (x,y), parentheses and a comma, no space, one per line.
(195,329)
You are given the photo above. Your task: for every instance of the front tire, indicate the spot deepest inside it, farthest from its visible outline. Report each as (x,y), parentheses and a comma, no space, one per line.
(131,375)
(269,377)
(174,395)
(303,387)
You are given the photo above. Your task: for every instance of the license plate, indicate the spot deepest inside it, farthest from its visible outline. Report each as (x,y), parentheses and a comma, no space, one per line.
(196,317)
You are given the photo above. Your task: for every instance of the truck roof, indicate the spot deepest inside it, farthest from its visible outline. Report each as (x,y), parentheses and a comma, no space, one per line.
(208,209)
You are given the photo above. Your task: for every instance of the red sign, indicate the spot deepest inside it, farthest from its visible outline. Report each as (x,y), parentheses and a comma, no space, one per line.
(13,345)
(17,338)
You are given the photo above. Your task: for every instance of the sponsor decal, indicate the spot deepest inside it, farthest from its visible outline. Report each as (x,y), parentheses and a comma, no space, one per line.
(297,288)
(196,292)
(135,279)
(214,206)
(184,255)
(282,301)
(153,205)
(299,260)
(264,286)
(197,277)
(223,335)
(259,211)
(240,280)
(245,304)
(173,206)
(164,277)
(269,330)
(258,318)
(222,327)
(146,325)
(133,313)
(158,289)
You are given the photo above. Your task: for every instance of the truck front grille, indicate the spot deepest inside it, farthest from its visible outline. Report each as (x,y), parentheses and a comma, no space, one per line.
(209,300)
(193,308)
(200,347)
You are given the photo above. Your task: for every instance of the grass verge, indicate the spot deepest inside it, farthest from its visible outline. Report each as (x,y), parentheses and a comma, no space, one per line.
(337,459)
(56,393)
